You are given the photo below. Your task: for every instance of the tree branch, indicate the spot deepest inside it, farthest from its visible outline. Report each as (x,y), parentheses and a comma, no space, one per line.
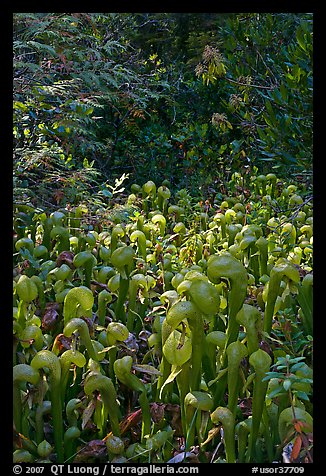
(251,85)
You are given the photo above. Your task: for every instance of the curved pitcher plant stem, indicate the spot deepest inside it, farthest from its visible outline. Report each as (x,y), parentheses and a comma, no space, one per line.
(86,260)
(77,299)
(27,291)
(31,336)
(135,310)
(115,447)
(282,268)
(261,363)
(204,300)
(305,300)
(47,225)
(262,245)
(197,339)
(42,409)
(119,307)
(70,437)
(23,456)
(271,180)
(267,435)
(242,430)
(47,359)
(175,364)
(187,310)
(139,237)
(104,298)
(122,369)
(195,401)
(40,252)
(21,373)
(80,325)
(122,259)
(220,219)
(149,190)
(160,221)
(228,267)
(25,243)
(71,411)
(104,254)
(105,273)
(211,359)
(110,408)
(40,289)
(163,195)
(137,281)
(182,380)
(236,351)
(232,230)
(58,218)
(226,418)
(250,318)
(165,367)
(116,333)
(117,232)
(61,235)
(66,359)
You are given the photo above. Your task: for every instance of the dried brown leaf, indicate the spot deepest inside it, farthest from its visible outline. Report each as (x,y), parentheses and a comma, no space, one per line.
(88,413)
(157,412)
(66,257)
(95,449)
(211,434)
(50,319)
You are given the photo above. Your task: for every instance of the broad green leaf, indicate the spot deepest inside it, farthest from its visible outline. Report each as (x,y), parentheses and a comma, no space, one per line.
(175,370)
(177,348)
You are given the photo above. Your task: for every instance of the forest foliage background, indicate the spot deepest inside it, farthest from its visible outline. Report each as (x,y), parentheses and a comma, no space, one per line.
(188,97)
